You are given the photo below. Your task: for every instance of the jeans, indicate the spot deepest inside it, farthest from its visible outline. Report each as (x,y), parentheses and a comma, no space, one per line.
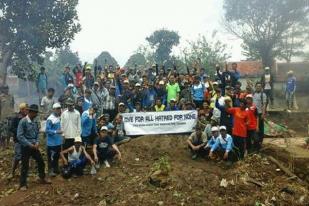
(53,154)
(239,142)
(260,134)
(269,95)
(26,153)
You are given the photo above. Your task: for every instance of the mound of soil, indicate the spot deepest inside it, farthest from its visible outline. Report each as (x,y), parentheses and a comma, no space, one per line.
(253,181)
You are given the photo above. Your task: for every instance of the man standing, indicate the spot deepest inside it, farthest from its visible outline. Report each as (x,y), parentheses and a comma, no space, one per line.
(66,77)
(70,124)
(89,124)
(267,83)
(23,111)
(172,89)
(54,140)
(28,137)
(290,90)
(260,101)
(97,96)
(42,83)
(48,102)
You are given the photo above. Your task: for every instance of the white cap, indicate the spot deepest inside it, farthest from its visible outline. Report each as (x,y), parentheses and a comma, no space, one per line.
(249,96)
(104,128)
(227,98)
(126,81)
(78,139)
(97,83)
(222,127)
(70,85)
(215,83)
(267,68)
(161,82)
(174,100)
(214,129)
(121,104)
(137,84)
(56,106)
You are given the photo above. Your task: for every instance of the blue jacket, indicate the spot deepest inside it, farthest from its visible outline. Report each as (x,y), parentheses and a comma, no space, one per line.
(87,104)
(88,124)
(27,132)
(52,126)
(223,144)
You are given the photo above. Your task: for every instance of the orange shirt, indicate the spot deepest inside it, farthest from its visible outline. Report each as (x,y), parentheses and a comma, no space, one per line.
(240,119)
(252,117)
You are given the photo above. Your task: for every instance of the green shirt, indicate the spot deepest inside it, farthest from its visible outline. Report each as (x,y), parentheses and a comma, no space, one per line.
(172,91)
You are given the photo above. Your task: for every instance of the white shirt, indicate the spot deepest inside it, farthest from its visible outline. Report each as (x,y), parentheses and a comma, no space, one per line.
(71,124)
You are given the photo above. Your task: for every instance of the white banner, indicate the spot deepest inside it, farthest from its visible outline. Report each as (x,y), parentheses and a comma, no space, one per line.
(169,122)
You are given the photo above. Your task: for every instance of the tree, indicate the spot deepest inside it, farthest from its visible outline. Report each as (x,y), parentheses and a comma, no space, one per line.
(163,42)
(105,59)
(136,60)
(264,24)
(28,27)
(66,57)
(206,54)
(293,43)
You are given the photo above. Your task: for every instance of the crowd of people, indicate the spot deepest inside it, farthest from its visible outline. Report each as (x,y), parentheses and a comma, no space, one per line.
(84,125)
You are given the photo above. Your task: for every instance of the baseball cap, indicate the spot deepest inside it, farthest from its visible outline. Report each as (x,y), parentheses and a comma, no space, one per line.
(121,104)
(161,82)
(249,96)
(96,83)
(267,68)
(215,83)
(104,128)
(137,84)
(172,100)
(23,105)
(214,129)
(222,128)
(126,81)
(78,139)
(56,106)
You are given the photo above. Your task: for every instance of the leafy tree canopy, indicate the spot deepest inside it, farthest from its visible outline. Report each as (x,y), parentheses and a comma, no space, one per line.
(263,25)
(163,42)
(204,53)
(28,27)
(136,60)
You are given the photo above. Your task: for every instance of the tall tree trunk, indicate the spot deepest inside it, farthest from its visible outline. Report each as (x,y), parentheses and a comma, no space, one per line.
(6,58)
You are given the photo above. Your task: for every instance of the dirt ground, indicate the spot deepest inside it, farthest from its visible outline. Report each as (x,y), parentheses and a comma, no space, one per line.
(189,182)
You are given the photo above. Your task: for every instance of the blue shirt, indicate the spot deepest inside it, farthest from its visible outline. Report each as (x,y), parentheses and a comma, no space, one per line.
(225,144)
(27,132)
(211,142)
(291,84)
(52,126)
(149,97)
(198,92)
(42,82)
(88,124)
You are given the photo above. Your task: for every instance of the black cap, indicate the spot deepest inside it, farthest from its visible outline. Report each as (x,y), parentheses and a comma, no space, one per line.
(34,108)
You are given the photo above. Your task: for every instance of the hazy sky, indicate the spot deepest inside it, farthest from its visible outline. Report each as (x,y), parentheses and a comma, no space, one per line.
(120,26)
